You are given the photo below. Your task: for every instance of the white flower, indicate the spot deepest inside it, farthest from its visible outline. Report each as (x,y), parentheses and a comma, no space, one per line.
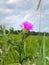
(34,64)
(0,50)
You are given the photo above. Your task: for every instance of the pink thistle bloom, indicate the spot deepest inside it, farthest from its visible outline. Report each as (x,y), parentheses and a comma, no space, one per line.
(27,25)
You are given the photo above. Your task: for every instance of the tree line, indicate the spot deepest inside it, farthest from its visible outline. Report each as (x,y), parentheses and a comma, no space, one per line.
(12,31)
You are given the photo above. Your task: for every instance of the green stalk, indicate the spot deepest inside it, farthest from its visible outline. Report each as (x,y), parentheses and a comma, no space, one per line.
(13,55)
(25,48)
(23,39)
(39,56)
(4,30)
(44,50)
(38,5)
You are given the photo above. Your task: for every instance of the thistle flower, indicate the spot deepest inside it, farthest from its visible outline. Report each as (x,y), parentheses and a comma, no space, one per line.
(27,25)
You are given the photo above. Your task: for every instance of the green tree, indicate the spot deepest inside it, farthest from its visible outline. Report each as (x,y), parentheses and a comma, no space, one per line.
(11,30)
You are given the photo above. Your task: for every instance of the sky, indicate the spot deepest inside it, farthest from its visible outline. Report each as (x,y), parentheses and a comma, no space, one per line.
(14,12)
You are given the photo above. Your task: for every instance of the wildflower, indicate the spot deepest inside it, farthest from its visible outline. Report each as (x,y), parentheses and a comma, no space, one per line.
(27,25)
(33,64)
(0,50)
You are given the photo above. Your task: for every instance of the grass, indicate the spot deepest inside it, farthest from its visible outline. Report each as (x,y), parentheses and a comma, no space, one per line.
(32,44)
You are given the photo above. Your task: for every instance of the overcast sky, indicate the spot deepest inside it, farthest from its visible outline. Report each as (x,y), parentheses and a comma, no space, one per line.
(14,12)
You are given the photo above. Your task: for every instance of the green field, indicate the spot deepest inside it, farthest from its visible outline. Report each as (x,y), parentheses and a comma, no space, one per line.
(10,57)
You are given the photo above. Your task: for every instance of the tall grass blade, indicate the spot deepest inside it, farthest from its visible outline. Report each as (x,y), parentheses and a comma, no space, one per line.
(44,50)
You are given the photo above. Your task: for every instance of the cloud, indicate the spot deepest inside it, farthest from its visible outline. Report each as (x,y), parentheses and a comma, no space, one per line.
(29,14)
(6,11)
(16,11)
(46,29)
(46,12)
(11,1)
(45,2)
(13,17)
(21,4)
(10,19)
(40,15)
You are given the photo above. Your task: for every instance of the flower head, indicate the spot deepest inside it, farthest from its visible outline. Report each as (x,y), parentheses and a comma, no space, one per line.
(27,25)
(0,50)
